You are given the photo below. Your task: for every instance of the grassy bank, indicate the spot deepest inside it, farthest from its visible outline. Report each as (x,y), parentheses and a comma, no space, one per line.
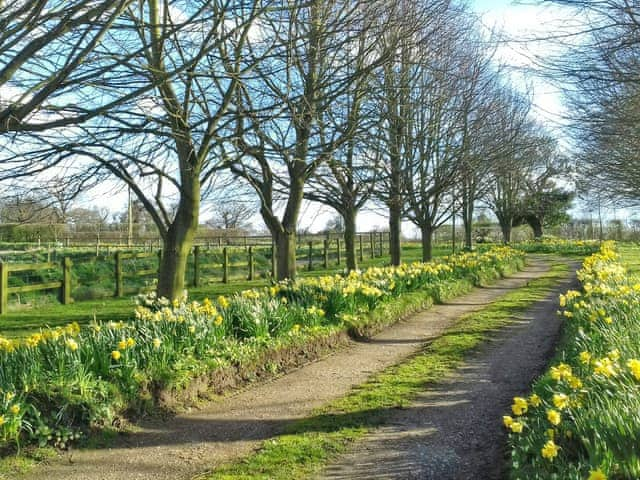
(59,382)
(582,420)
(311,443)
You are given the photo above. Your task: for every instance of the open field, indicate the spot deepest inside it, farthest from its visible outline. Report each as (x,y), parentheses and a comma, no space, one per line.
(22,320)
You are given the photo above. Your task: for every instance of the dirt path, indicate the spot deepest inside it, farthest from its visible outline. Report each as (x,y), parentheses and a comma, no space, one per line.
(189,444)
(454,430)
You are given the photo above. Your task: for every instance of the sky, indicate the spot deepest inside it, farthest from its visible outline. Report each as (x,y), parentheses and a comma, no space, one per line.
(515,21)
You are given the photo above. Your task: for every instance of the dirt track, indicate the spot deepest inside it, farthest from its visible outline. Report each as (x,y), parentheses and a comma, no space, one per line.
(454,430)
(186,445)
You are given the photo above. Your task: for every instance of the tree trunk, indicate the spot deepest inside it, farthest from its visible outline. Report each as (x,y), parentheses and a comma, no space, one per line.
(427,243)
(176,248)
(467,220)
(506,231)
(286,255)
(395,219)
(536,226)
(350,239)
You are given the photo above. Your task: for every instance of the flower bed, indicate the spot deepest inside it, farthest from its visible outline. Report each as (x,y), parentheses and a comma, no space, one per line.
(583,418)
(57,383)
(560,246)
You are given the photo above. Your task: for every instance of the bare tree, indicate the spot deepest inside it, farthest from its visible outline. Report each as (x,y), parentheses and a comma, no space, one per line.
(177,67)
(232,214)
(597,68)
(45,51)
(286,129)
(347,180)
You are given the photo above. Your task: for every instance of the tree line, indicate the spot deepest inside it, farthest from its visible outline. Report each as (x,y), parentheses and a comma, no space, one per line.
(342,102)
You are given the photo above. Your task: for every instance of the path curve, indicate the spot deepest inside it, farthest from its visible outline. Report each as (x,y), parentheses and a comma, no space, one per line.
(453,430)
(185,445)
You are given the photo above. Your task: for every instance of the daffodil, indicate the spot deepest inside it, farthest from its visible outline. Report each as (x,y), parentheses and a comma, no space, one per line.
(553,416)
(519,406)
(550,450)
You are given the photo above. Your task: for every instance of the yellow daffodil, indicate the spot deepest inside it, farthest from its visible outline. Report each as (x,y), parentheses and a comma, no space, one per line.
(519,406)
(553,416)
(597,475)
(550,450)
(516,427)
(560,400)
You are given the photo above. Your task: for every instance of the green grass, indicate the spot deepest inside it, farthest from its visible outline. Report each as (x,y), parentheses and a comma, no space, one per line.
(21,322)
(630,257)
(311,443)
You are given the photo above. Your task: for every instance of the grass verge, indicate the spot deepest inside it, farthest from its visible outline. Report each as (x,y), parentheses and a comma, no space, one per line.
(311,443)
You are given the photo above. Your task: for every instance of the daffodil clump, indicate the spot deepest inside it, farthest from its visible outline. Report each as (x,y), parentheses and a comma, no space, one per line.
(58,382)
(583,419)
(560,246)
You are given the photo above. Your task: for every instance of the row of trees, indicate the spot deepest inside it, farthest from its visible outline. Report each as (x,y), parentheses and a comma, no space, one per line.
(336,101)
(597,66)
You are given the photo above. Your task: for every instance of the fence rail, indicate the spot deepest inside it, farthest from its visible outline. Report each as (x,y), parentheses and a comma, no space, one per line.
(229,262)
(63,285)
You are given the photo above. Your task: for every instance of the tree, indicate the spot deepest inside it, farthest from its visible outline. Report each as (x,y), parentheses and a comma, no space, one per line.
(176,66)
(438,116)
(422,23)
(285,129)
(232,214)
(347,180)
(46,59)
(513,163)
(597,68)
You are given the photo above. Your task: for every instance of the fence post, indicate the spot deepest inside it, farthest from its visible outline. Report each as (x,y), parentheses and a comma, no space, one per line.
(338,249)
(65,291)
(326,254)
(381,244)
(196,266)
(251,266)
(361,252)
(118,273)
(225,265)
(310,257)
(4,287)
(372,241)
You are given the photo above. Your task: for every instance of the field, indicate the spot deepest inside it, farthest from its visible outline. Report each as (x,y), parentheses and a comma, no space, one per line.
(40,310)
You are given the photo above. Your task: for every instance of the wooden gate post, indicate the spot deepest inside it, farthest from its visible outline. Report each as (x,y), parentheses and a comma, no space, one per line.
(4,287)
(326,254)
(118,274)
(225,265)
(251,266)
(372,241)
(65,291)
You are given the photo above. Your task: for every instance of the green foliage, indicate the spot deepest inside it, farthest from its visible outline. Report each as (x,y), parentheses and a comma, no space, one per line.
(592,386)
(580,248)
(310,443)
(70,378)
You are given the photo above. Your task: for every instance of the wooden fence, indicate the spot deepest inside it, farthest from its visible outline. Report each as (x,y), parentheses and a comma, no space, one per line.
(319,254)
(63,285)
